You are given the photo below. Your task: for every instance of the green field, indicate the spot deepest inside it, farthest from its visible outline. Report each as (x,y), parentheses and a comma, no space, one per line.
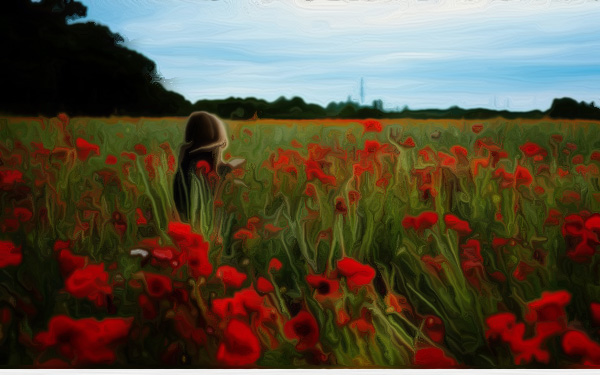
(390,243)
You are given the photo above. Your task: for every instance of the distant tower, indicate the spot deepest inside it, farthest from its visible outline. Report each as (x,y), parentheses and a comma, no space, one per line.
(362,91)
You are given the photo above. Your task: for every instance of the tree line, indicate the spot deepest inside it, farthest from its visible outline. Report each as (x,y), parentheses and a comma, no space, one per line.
(52,65)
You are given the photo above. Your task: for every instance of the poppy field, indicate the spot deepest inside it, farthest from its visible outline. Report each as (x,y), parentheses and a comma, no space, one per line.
(336,243)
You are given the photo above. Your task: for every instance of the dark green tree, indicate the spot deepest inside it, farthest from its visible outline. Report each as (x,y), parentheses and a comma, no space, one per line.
(51,65)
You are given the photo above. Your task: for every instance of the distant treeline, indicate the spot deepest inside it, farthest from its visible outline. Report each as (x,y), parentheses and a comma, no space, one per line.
(282,108)
(50,65)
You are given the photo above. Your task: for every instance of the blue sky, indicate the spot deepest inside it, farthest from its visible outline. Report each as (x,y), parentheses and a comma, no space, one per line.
(507,54)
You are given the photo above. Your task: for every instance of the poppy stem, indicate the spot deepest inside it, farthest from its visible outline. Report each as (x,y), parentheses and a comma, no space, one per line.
(152,200)
(280,300)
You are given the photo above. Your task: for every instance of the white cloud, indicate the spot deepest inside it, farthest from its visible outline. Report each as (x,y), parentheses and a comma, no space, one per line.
(413,52)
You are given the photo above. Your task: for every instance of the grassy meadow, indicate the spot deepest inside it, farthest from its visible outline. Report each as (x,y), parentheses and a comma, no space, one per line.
(337,243)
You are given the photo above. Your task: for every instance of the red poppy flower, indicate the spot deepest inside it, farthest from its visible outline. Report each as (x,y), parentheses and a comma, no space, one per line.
(325,288)
(577,159)
(434,328)
(195,247)
(434,264)
(353,196)
(315,171)
(553,217)
(342,317)
(140,149)
(591,169)
(140,219)
(460,152)
(84,148)
(10,255)
(151,161)
(119,223)
(164,253)
(432,357)
(361,167)
(561,172)
(477,128)
(171,164)
(239,305)
(197,260)
(272,228)
(500,326)
(523,176)
(310,190)
(408,143)
(40,150)
(570,196)
(427,154)
(592,223)
(531,149)
(372,126)
(296,144)
(90,282)
(398,302)
(579,345)
(317,151)
(340,206)
(446,160)
(303,327)
(472,250)
(69,262)
(60,245)
(111,160)
(460,226)
(522,271)
(230,276)
(472,262)
(227,307)
(275,264)
(254,223)
(85,341)
(505,327)
(506,179)
(425,177)
(498,276)
(264,286)
(549,308)
(362,327)
(573,226)
(383,182)
(10,177)
(157,285)
(476,163)
(129,155)
(372,147)
(240,346)
(203,167)
(357,274)
(244,234)
(582,238)
(425,220)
